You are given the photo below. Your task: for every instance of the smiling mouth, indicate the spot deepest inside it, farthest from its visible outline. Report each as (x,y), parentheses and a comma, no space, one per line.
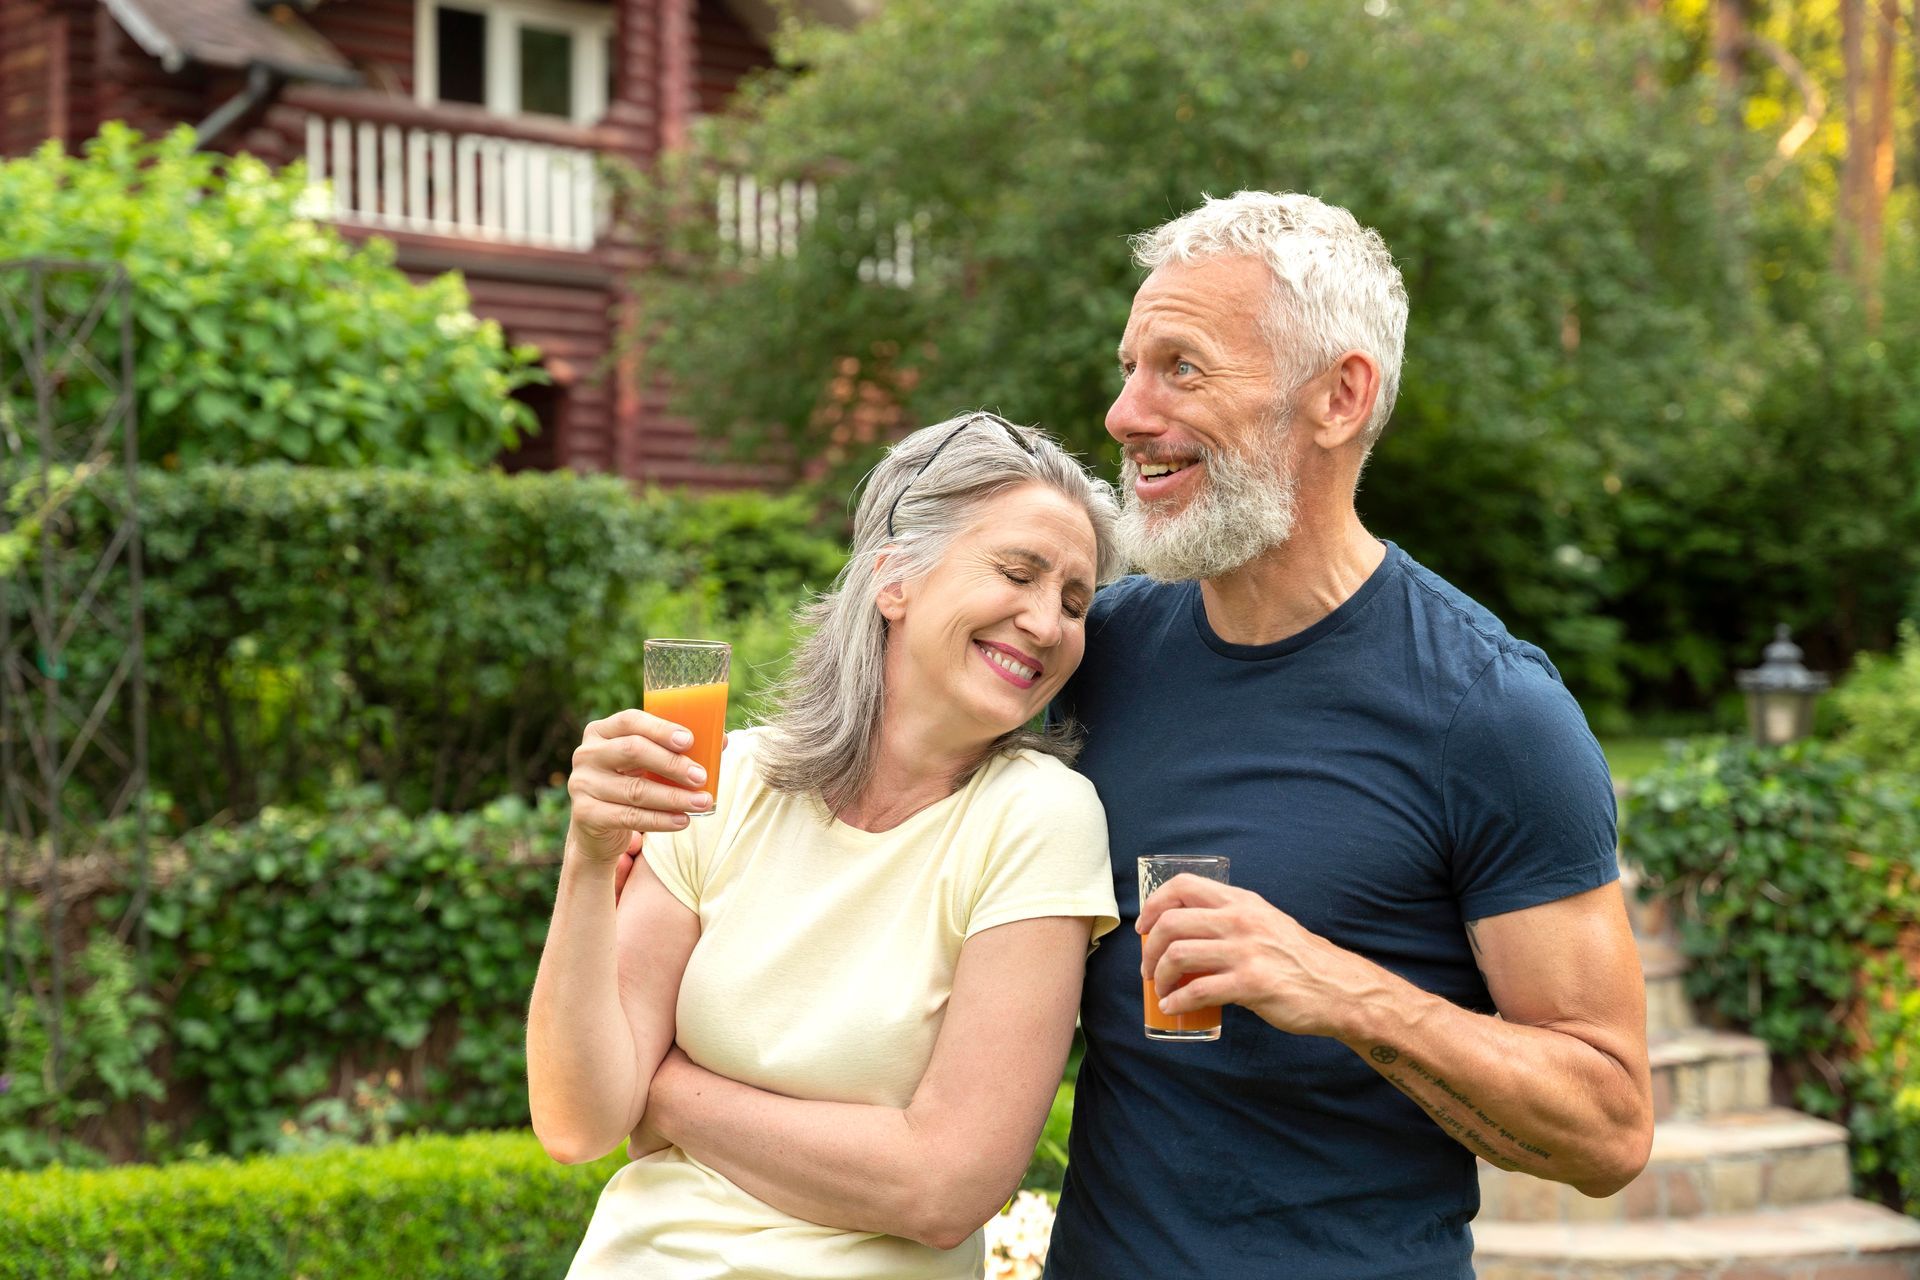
(1155,470)
(1006,662)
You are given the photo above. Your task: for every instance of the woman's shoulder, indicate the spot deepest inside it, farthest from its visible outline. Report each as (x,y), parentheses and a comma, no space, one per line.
(1028,777)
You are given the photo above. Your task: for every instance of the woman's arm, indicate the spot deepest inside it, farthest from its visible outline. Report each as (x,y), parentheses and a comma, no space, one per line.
(937,1169)
(603,1003)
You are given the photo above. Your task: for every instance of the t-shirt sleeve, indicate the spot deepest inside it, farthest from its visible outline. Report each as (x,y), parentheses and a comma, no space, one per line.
(1530,806)
(675,858)
(1048,857)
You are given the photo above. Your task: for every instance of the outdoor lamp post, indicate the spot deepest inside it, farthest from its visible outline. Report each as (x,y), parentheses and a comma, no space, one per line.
(1780,693)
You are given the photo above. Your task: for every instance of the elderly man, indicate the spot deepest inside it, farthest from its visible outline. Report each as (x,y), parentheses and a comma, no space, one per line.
(1424,953)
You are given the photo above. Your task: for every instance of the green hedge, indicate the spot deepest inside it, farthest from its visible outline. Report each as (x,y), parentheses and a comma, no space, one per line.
(1795,875)
(443,637)
(320,976)
(483,1206)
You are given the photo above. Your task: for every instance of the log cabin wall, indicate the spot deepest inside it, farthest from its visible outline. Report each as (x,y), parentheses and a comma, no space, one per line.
(68,65)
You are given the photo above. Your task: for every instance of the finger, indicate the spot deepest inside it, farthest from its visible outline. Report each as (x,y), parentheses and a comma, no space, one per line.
(1181,922)
(633,845)
(1189,959)
(1182,891)
(632,753)
(635,793)
(634,722)
(600,816)
(622,868)
(1204,992)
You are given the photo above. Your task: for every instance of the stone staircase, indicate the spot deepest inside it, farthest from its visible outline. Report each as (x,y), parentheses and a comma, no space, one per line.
(1736,1188)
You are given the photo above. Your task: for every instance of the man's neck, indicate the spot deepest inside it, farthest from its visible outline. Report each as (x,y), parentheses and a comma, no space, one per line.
(1294,585)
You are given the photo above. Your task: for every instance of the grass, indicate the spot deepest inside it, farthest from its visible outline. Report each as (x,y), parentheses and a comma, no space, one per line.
(1630,755)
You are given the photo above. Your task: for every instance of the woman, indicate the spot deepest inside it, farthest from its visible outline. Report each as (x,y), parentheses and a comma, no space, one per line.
(832,1015)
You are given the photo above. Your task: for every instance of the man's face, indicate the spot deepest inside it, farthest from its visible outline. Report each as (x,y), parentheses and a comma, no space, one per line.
(1208,478)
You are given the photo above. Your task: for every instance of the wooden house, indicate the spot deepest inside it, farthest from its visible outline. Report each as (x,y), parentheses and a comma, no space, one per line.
(465,131)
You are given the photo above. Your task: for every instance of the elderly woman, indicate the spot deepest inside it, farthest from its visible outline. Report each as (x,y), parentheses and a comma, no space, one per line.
(833,1014)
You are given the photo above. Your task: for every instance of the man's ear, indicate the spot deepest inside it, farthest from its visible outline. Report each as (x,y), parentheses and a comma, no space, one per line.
(1347,393)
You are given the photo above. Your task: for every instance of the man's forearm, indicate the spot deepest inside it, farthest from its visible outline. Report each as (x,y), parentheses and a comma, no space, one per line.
(1552,1102)
(845,1165)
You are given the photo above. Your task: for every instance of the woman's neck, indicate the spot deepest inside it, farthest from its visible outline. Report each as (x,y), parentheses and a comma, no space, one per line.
(914,766)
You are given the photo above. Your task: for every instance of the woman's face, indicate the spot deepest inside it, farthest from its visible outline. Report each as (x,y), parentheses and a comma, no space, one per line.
(980,644)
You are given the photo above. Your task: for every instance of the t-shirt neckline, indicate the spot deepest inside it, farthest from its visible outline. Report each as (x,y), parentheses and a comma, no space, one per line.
(1390,566)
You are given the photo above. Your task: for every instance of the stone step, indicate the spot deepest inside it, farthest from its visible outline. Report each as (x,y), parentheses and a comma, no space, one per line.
(1724,1164)
(1669,1008)
(1832,1240)
(1650,920)
(1709,1073)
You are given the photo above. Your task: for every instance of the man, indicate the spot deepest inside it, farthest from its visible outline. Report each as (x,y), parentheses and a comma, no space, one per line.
(1424,954)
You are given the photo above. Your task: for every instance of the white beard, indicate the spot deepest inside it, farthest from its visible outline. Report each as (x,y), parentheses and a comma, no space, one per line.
(1238,515)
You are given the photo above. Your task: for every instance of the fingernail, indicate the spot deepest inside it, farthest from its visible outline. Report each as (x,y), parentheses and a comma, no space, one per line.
(696,775)
(1163,1006)
(703,801)
(682,739)
(679,819)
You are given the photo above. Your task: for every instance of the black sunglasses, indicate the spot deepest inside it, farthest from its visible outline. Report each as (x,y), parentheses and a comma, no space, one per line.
(972,418)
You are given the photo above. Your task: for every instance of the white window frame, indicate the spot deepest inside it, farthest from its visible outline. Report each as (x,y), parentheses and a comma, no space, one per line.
(591,27)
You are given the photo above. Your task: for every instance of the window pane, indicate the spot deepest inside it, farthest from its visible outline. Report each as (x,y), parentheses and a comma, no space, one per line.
(462,55)
(546,71)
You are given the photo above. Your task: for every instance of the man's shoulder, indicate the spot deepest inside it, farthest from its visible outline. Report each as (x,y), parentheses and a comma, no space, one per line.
(1466,633)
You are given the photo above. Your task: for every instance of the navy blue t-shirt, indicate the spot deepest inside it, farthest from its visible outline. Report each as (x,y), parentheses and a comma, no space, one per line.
(1400,767)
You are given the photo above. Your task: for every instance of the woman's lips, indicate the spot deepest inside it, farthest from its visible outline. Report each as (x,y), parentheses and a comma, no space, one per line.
(992,654)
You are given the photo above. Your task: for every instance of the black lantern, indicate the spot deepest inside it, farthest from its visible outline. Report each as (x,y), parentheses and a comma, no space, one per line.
(1780,693)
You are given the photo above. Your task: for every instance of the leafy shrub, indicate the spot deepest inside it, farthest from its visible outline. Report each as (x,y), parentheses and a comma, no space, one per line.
(260,333)
(444,638)
(51,1110)
(1796,874)
(1880,703)
(487,1205)
(330,976)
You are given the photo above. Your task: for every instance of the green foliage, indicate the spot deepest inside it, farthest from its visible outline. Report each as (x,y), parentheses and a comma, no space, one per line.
(1796,874)
(1880,703)
(260,333)
(1613,428)
(109,1029)
(445,638)
(485,1206)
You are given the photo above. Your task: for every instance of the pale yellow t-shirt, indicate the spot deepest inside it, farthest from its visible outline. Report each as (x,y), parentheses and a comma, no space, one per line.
(825,959)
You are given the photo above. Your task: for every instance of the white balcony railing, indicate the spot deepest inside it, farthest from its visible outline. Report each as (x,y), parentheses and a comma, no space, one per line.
(409,178)
(761,220)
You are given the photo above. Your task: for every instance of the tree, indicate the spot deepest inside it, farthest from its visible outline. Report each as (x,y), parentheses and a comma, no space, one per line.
(1572,287)
(261,333)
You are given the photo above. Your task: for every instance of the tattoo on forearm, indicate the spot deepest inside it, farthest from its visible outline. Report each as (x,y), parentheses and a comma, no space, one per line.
(1459,1115)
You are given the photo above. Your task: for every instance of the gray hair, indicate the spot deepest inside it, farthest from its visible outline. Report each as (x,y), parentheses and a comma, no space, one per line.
(1335,287)
(823,735)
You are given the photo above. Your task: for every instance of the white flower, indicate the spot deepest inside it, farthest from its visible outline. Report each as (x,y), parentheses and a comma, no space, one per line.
(1017,1238)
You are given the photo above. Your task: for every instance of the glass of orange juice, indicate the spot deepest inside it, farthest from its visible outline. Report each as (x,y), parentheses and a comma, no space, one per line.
(1200,1024)
(685,682)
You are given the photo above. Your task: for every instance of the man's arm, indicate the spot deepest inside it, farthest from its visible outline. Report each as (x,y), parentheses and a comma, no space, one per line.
(1557,1085)
(937,1169)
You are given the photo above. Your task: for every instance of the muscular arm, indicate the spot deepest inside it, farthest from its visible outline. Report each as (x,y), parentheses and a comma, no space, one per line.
(935,1170)
(1557,1085)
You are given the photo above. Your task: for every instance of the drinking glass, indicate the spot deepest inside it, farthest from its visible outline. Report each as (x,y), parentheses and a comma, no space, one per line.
(685,682)
(1200,1024)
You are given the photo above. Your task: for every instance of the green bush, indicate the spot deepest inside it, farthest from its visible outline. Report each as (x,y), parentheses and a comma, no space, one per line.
(1880,704)
(1795,875)
(323,976)
(443,637)
(487,1205)
(259,333)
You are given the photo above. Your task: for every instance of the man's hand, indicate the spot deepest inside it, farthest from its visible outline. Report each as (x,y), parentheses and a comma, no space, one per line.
(1205,943)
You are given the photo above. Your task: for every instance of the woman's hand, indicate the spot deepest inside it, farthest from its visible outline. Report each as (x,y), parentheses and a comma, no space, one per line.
(613,798)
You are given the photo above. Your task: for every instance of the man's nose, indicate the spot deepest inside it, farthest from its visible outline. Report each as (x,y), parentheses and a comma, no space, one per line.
(1130,416)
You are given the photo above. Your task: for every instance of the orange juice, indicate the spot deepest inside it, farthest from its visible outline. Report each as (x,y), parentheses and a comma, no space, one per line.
(701,709)
(1195,1025)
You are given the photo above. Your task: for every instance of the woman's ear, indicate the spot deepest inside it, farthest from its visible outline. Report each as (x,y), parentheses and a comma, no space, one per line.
(891,598)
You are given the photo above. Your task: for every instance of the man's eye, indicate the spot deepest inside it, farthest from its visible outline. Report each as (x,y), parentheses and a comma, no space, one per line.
(1182,368)
(1126,371)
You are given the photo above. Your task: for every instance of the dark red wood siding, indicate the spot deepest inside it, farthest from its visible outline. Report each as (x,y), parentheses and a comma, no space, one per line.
(727,51)
(375,36)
